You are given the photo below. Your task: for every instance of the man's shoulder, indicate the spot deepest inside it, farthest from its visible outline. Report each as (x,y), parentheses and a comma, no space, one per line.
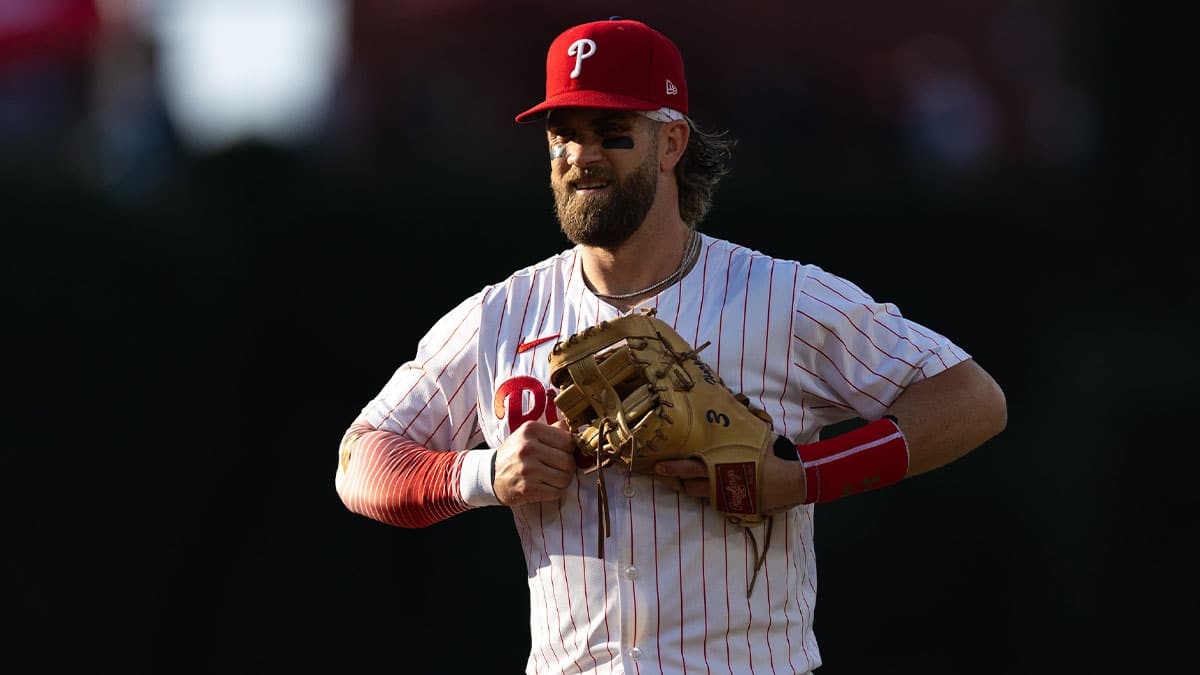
(542,271)
(735,250)
(563,261)
(548,272)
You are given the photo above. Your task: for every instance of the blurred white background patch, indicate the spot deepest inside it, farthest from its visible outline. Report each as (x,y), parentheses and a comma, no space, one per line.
(235,71)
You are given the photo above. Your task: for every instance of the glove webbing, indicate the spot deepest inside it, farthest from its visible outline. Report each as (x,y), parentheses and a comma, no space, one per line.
(587,373)
(588,376)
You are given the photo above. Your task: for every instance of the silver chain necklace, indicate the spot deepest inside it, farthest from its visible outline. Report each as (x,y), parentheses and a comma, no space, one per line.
(691,253)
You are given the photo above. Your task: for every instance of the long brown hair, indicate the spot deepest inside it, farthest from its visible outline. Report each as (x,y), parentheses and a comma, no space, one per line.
(704,163)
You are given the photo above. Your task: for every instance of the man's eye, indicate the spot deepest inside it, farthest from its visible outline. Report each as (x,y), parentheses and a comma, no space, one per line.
(617,142)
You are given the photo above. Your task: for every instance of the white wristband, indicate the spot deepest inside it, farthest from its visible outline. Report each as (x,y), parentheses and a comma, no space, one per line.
(475,480)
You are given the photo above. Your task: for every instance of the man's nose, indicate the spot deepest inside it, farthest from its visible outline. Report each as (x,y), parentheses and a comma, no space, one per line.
(583,154)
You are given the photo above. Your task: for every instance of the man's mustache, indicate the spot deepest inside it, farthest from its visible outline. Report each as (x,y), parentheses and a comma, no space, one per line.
(575,175)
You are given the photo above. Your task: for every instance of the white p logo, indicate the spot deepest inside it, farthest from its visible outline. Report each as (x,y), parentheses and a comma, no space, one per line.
(580,49)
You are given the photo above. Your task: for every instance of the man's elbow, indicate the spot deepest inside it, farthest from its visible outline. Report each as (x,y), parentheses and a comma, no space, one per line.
(996,405)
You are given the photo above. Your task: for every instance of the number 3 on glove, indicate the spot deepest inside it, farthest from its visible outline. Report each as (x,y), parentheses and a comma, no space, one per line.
(636,393)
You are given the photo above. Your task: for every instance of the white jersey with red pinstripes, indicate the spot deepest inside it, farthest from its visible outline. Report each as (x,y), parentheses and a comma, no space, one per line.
(669,595)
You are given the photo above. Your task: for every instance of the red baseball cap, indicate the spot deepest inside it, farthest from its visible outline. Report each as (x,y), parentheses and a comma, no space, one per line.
(618,64)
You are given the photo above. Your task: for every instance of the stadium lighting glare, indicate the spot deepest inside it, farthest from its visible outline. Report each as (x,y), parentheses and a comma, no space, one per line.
(235,71)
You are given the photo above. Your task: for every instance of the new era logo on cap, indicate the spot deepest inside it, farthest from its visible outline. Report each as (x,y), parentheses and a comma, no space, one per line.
(617,64)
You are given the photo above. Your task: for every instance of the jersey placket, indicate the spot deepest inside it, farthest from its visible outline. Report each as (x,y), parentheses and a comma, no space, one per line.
(634,558)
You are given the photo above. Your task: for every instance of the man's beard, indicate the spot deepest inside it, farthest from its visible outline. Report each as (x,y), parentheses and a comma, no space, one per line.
(609,219)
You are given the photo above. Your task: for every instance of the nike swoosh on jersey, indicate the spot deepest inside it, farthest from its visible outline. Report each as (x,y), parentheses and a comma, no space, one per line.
(526,346)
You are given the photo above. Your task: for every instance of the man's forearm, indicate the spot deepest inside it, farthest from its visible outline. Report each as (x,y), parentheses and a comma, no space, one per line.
(388,478)
(948,415)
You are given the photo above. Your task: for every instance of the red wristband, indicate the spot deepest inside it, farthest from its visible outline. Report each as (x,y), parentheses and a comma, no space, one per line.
(867,458)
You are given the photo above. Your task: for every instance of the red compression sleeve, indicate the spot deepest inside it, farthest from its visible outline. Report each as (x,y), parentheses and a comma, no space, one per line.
(396,481)
(867,458)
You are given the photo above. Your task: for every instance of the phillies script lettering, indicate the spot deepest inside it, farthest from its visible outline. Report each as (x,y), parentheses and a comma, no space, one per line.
(523,399)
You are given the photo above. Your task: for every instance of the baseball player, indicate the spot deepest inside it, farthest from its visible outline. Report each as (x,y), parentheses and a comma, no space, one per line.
(632,176)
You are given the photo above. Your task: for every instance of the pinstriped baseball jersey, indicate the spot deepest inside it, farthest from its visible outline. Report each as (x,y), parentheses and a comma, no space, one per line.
(669,596)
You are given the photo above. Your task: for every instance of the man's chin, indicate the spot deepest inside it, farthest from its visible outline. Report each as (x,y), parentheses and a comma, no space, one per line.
(596,238)
(577,235)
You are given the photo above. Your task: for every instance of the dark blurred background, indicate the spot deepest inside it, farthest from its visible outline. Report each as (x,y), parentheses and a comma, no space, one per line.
(223,224)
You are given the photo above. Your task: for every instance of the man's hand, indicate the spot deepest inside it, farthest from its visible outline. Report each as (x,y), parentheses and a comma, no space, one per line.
(783,481)
(534,464)
(691,474)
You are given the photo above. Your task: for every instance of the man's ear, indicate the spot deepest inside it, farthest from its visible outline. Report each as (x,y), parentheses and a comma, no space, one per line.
(672,142)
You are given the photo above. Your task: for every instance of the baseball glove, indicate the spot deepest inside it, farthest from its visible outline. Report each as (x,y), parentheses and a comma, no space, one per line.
(635,393)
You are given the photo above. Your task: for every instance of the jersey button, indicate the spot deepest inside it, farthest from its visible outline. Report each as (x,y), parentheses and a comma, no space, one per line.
(630,572)
(635,653)
(628,490)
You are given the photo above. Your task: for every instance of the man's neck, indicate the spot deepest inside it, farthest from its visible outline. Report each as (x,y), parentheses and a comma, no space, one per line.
(652,254)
